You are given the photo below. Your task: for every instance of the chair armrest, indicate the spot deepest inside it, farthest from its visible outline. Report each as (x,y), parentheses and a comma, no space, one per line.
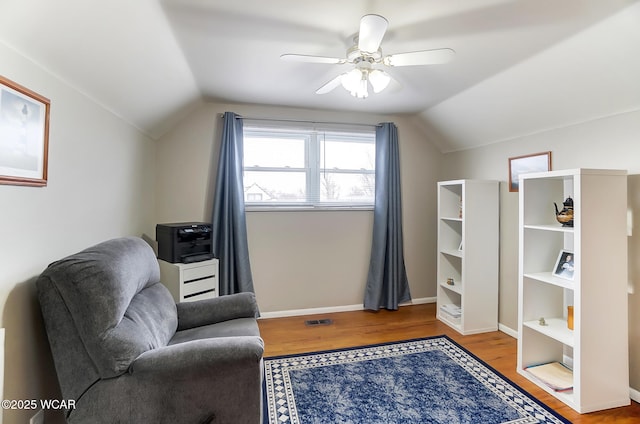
(217,309)
(198,357)
(200,381)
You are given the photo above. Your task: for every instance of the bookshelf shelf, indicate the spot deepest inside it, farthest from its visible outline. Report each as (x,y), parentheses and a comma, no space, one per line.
(456,287)
(556,328)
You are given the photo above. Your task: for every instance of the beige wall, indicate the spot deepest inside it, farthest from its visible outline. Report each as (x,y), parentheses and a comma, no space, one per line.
(611,142)
(101,185)
(303,260)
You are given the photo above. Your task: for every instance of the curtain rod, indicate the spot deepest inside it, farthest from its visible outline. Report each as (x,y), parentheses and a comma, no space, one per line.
(300,121)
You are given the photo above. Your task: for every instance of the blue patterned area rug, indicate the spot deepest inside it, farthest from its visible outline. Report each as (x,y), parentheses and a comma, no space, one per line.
(432,380)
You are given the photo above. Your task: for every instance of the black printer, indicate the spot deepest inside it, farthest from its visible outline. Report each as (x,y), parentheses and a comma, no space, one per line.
(184,242)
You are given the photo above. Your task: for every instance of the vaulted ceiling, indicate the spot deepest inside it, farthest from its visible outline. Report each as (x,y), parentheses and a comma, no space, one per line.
(521,66)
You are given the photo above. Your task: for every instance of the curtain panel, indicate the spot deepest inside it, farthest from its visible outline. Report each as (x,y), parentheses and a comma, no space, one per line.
(387,285)
(229,227)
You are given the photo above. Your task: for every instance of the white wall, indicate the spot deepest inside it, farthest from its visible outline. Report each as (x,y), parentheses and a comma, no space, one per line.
(101,179)
(610,142)
(303,260)
(1,367)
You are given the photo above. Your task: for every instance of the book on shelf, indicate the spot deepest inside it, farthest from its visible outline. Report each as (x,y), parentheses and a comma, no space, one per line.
(452,310)
(554,374)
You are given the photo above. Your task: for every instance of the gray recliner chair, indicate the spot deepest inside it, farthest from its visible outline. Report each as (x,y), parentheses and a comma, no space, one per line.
(127,353)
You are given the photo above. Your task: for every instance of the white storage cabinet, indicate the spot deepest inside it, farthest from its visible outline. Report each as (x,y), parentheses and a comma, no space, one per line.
(189,282)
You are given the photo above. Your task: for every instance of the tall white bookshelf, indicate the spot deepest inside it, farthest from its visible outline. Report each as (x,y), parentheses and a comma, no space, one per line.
(596,349)
(468,240)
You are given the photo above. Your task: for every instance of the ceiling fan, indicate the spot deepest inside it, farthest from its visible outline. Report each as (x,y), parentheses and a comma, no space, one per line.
(367,57)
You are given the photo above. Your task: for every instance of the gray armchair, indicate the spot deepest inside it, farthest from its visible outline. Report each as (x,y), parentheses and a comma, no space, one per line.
(126,353)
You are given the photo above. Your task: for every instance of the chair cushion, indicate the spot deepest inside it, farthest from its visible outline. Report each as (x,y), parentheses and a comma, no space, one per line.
(231,328)
(116,302)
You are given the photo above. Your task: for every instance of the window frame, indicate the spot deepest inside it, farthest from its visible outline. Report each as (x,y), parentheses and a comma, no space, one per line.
(313,137)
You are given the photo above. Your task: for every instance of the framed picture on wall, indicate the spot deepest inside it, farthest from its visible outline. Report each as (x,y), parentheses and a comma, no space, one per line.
(537,162)
(24,135)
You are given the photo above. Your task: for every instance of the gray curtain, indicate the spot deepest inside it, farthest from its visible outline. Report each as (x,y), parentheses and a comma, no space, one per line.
(229,227)
(387,283)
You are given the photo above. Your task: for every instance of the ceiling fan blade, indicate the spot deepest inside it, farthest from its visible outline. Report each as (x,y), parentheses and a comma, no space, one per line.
(311,59)
(330,85)
(372,29)
(424,57)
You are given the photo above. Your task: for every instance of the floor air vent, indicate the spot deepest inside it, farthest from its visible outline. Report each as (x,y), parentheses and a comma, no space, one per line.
(314,322)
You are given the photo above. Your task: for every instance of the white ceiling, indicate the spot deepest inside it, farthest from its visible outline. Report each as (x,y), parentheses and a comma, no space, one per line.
(149,60)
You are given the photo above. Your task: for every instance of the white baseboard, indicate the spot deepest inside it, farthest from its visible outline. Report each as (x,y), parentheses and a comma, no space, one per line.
(634,394)
(332,309)
(420,301)
(310,311)
(508,331)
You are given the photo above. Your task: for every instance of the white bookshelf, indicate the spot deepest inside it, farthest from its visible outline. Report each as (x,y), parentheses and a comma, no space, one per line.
(597,348)
(468,237)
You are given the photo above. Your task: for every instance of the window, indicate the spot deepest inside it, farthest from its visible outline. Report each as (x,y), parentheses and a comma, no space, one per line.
(308,167)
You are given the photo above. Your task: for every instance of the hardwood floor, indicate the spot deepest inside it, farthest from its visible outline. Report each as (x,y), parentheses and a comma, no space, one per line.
(290,335)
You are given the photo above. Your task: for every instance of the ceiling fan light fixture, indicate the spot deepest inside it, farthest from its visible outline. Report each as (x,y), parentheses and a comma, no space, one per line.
(363,90)
(355,82)
(379,80)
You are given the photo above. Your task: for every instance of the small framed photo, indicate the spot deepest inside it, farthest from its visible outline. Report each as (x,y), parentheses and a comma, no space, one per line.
(537,162)
(564,265)
(24,135)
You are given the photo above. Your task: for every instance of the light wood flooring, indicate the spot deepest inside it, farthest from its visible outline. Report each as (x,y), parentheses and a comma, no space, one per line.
(290,335)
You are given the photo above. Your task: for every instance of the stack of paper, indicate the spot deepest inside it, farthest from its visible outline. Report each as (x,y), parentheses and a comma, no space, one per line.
(554,374)
(453,310)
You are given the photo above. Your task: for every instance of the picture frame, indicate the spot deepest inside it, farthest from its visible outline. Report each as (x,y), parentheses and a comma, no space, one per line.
(24,135)
(536,162)
(564,265)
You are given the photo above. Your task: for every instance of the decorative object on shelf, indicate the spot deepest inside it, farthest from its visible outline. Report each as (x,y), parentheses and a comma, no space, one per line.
(460,208)
(542,322)
(537,162)
(24,125)
(565,216)
(570,317)
(450,281)
(564,265)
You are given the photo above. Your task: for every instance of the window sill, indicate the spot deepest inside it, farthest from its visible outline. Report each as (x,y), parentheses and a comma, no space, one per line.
(249,208)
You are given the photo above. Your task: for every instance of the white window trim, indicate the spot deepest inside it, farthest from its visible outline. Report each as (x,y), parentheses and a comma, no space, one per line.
(311,168)
(288,208)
